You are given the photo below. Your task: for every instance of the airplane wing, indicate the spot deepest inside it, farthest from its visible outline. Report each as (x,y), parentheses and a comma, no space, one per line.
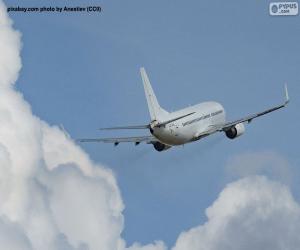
(136,139)
(249,118)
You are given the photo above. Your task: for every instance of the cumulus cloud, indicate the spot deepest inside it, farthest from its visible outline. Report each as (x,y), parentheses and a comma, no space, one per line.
(52,196)
(12,236)
(158,245)
(251,213)
(10,47)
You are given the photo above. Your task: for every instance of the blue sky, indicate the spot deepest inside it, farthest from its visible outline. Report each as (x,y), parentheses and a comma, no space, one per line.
(81,70)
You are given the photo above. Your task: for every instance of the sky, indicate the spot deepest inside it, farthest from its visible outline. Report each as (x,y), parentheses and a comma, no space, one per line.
(81,71)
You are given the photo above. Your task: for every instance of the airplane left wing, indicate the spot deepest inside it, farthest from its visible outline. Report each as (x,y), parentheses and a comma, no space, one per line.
(116,141)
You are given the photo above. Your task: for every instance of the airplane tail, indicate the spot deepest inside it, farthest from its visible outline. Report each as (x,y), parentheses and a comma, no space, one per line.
(156,112)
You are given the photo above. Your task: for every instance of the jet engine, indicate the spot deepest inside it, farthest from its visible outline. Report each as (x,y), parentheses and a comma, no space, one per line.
(160,146)
(235,131)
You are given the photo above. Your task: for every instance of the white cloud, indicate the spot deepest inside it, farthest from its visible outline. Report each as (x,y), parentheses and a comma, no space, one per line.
(10,47)
(12,236)
(159,245)
(252,213)
(52,196)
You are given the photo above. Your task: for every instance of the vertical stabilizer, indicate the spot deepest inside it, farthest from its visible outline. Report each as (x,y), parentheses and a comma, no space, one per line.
(156,112)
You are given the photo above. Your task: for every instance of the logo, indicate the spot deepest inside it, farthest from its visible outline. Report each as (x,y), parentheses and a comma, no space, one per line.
(274,8)
(283,8)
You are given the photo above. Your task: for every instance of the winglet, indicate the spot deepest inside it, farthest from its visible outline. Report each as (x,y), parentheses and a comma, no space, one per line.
(287,99)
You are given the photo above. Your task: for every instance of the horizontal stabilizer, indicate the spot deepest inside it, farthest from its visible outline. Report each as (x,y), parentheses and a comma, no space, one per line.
(127,127)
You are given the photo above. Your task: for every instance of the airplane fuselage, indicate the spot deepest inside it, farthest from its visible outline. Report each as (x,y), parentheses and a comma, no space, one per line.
(190,128)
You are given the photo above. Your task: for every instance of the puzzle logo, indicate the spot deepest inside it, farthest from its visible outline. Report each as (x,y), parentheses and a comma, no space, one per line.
(283,9)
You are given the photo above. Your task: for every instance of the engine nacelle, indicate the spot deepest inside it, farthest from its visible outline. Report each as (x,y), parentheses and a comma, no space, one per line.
(235,131)
(160,146)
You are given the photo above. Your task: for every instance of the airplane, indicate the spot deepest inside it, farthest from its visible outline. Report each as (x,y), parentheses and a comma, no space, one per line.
(185,125)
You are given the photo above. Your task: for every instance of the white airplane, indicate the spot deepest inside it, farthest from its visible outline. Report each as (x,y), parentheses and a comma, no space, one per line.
(185,125)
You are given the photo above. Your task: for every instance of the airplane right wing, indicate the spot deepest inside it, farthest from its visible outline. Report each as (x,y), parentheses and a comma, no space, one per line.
(211,129)
(136,139)
(226,126)
(249,118)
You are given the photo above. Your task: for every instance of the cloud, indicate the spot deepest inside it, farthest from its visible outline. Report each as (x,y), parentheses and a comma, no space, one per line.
(52,196)
(260,163)
(10,45)
(158,245)
(12,236)
(251,213)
